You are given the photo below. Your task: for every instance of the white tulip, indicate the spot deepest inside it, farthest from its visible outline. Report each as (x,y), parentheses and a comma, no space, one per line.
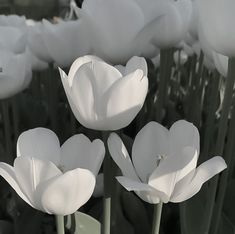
(12,39)
(100,96)
(65,41)
(163,166)
(217,22)
(56,180)
(15,74)
(118,30)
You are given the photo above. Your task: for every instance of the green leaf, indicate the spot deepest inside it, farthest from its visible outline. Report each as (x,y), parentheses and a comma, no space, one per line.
(80,223)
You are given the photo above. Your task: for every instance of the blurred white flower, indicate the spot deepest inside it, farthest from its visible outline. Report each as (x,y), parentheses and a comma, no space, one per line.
(163,166)
(65,41)
(12,39)
(13,20)
(15,73)
(53,179)
(103,98)
(172,27)
(119,30)
(216,19)
(36,43)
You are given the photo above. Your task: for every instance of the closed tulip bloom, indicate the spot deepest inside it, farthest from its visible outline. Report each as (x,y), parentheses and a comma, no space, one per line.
(103,98)
(15,74)
(56,180)
(163,166)
(217,22)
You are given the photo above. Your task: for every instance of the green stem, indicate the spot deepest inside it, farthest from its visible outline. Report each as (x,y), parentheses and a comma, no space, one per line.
(7,130)
(223,126)
(60,224)
(157,218)
(210,118)
(107,189)
(162,88)
(224,176)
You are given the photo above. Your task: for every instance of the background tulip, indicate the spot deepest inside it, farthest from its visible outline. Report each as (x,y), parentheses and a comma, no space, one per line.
(164,163)
(99,94)
(15,73)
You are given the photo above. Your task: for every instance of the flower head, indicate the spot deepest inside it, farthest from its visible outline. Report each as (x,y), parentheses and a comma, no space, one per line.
(164,162)
(103,98)
(57,180)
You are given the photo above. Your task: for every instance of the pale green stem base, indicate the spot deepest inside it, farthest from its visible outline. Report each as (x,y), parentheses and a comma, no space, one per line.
(60,224)
(107,189)
(157,218)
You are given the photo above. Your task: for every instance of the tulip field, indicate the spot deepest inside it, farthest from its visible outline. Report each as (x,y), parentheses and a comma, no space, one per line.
(117,117)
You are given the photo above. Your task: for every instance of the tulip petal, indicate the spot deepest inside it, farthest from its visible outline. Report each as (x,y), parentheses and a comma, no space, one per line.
(64,194)
(136,63)
(172,169)
(119,101)
(39,143)
(203,173)
(103,74)
(218,26)
(82,93)
(79,151)
(30,172)
(183,134)
(143,190)
(77,64)
(121,157)
(8,173)
(149,144)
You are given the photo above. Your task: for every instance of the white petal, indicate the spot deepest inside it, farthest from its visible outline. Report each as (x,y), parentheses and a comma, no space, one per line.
(64,194)
(146,192)
(8,173)
(30,172)
(39,143)
(78,63)
(149,144)
(218,25)
(203,173)
(172,169)
(79,151)
(122,104)
(136,63)
(183,134)
(121,157)
(82,93)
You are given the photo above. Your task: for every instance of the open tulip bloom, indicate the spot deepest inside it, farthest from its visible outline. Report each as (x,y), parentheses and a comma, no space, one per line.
(103,98)
(163,166)
(56,180)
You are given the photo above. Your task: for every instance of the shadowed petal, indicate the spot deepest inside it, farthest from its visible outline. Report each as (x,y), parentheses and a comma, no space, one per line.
(121,157)
(203,173)
(64,194)
(79,151)
(8,173)
(39,143)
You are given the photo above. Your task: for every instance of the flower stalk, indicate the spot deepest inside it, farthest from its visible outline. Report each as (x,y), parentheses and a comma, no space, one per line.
(223,126)
(60,224)
(157,218)
(107,189)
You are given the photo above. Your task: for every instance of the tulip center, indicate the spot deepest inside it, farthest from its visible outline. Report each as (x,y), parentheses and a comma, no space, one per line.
(160,157)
